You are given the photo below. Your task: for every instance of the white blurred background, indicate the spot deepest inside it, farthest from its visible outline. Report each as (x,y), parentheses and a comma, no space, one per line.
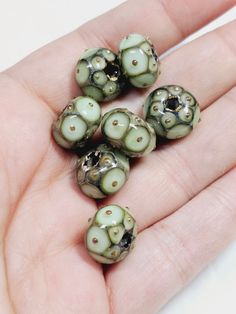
(25,26)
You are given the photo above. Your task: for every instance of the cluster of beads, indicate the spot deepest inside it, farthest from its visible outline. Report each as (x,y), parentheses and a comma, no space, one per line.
(169,111)
(103,75)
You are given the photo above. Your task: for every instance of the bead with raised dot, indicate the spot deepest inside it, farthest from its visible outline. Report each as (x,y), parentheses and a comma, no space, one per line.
(102,171)
(139,60)
(111,234)
(172,111)
(77,123)
(128,132)
(98,74)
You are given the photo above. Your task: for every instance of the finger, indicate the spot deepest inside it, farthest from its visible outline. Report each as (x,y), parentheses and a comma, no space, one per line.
(50,71)
(60,208)
(172,252)
(64,276)
(182,169)
(205,66)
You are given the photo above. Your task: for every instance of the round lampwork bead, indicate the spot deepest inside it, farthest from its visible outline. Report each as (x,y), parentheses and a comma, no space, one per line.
(98,74)
(128,132)
(77,122)
(102,172)
(139,60)
(111,234)
(172,111)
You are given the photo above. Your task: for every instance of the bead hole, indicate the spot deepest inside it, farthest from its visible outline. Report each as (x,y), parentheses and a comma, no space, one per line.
(126,240)
(112,71)
(92,159)
(154,54)
(172,104)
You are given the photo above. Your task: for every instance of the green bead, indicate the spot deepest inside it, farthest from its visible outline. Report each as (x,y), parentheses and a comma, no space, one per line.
(77,123)
(99,75)
(172,111)
(139,60)
(102,172)
(128,132)
(111,234)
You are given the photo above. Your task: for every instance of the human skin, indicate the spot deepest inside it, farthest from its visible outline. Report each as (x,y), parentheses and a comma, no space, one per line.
(182,195)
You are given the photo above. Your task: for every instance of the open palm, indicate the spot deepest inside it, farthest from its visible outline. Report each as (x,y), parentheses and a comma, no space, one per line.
(182,195)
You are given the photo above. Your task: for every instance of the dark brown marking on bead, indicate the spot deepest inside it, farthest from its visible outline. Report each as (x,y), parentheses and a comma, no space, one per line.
(90,104)
(129,219)
(115,122)
(93,174)
(116,231)
(167,121)
(98,59)
(106,160)
(72,128)
(188,98)
(108,212)
(139,139)
(134,62)
(95,240)
(155,108)
(114,183)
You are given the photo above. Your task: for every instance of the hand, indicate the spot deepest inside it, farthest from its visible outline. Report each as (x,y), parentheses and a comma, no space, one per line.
(183,194)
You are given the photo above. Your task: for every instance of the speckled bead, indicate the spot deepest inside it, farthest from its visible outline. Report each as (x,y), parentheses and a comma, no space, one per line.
(77,123)
(102,172)
(139,60)
(172,111)
(99,75)
(111,234)
(128,132)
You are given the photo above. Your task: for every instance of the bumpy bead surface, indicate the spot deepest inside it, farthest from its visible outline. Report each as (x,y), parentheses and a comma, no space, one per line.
(102,171)
(172,111)
(111,234)
(139,60)
(98,74)
(128,132)
(77,122)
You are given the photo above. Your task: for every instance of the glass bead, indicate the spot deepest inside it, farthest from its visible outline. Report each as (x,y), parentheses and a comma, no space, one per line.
(99,75)
(102,171)
(139,60)
(172,111)
(111,234)
(128,132)
(77,123)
